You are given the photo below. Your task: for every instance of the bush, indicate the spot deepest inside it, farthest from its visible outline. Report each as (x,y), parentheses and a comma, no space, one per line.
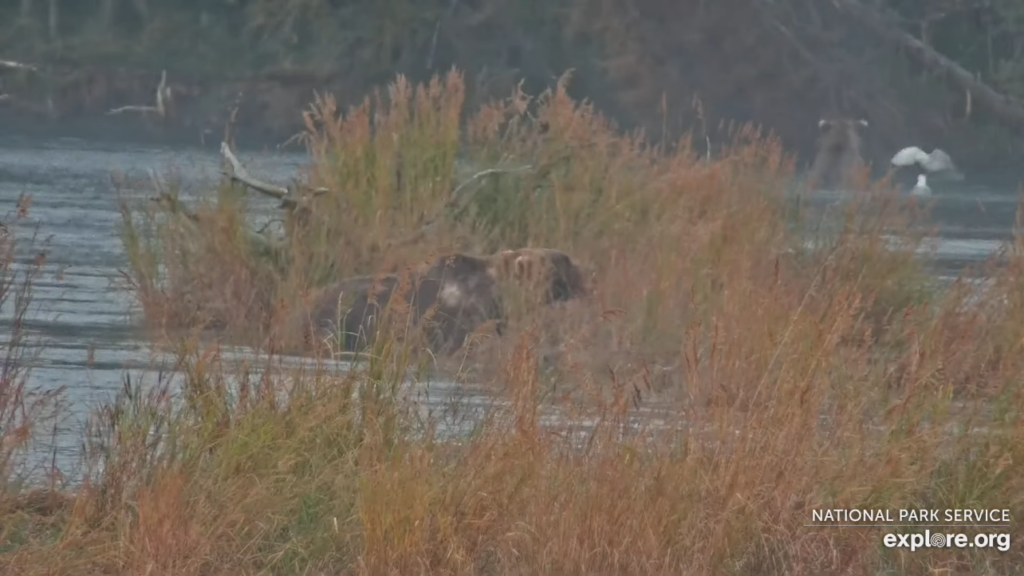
(728,378)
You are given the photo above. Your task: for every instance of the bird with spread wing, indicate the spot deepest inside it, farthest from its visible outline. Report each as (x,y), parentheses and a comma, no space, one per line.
(938,162)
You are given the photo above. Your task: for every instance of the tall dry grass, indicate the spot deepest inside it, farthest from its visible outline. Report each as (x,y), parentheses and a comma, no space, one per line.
(27,409)
(794,377)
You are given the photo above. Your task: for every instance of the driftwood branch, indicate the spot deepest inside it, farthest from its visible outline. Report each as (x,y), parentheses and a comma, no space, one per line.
(1003,106)
(237,173)
(163,99)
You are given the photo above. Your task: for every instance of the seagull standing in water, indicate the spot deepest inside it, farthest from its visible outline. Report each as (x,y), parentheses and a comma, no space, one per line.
(936,162)
(921,188)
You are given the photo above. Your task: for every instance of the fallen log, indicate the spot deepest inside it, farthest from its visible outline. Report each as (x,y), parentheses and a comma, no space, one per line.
(1006,108)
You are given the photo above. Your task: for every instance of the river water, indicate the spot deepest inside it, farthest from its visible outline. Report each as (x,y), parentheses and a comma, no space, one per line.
(85,318)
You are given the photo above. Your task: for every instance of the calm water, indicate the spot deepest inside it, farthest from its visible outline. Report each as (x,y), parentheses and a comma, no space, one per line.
(82,313)
(969,221)
(84,317)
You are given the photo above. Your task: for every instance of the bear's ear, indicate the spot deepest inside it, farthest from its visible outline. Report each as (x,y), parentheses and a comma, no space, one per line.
(863,122)
(822,123)
(523,268)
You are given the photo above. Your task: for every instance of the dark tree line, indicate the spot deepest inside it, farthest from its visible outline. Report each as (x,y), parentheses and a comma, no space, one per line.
(775,62)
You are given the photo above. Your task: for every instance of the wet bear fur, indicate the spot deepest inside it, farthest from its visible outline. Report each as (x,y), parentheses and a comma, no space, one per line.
(838,159)
(445,301)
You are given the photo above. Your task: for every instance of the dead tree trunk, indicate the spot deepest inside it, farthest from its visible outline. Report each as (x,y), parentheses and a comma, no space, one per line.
(26,10)
(53,21)
(107,15)
(1002,106)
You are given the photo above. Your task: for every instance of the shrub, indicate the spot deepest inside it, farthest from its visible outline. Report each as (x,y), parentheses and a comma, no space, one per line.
(728,378)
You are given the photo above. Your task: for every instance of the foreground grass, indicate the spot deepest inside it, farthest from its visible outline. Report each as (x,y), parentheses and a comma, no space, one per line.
(798,379)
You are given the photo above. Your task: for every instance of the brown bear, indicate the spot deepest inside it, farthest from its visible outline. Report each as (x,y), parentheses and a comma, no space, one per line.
(838,159)
(448,299)
(548,274)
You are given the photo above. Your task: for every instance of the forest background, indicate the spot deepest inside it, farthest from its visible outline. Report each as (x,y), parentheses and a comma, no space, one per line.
(945,73)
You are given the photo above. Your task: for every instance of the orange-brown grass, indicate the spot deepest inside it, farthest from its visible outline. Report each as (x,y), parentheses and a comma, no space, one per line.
(26,409)
(789,378)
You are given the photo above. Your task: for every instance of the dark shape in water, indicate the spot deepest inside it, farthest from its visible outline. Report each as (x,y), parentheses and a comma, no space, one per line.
(448,300)
(839,154)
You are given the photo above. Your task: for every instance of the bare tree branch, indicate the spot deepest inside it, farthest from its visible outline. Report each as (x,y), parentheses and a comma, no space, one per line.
(163,98)
(1003,106)
(237,173)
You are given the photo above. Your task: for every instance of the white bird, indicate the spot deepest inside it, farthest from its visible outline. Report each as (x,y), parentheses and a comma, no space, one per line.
(937,161)
(921,188)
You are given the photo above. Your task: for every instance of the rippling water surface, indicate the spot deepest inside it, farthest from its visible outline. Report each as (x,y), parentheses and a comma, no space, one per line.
(84,317)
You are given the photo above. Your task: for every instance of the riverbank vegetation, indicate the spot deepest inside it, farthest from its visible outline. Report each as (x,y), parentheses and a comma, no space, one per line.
(726,378)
